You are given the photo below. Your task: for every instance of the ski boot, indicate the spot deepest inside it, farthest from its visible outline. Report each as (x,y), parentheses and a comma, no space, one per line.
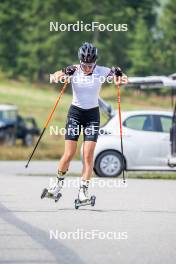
(83,198)
(53,191)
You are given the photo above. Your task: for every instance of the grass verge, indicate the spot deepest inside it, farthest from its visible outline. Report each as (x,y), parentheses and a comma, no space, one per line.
(37,100)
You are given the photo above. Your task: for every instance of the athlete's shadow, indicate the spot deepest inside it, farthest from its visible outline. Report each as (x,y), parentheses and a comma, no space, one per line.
(81,208)
(116,210)
(71,209)
(60,252)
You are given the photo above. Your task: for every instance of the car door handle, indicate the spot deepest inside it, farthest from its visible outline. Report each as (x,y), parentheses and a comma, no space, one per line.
(127,135)
(166,138)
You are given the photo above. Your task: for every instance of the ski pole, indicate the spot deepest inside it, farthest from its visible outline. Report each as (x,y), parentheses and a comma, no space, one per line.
(48,120)
(120,123)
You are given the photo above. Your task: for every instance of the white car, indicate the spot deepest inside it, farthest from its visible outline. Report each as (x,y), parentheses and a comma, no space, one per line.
(146,143)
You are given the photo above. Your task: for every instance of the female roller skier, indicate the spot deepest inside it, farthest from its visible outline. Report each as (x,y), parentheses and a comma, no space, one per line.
(86,81)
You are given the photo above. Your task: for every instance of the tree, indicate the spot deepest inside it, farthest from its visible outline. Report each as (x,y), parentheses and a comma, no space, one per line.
(12,24)
(29,49)
(166,49)
(140,51)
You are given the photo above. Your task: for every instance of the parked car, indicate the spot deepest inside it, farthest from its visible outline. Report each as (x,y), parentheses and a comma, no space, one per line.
(8,117)
(146,143)
(13,126)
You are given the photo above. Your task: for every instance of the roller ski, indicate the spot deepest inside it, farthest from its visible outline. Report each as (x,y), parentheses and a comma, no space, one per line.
(83,198)
(53,192)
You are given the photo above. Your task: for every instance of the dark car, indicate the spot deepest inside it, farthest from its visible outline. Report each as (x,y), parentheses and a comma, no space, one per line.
(13,126)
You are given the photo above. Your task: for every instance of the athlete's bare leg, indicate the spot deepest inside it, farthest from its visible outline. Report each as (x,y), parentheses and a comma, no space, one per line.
(69,152)
(88,152)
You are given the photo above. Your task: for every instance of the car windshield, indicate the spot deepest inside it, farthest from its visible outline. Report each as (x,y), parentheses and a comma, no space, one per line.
(8,115)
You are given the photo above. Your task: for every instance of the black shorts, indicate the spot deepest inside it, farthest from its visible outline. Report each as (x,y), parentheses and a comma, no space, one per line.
(88,119)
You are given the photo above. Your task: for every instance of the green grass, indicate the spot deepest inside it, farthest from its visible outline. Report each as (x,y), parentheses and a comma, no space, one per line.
(152,175)
(37,100)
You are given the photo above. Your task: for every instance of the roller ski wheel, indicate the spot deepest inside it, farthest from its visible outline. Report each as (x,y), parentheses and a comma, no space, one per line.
(58,197)
(76,203)
(90,201)
(46,194)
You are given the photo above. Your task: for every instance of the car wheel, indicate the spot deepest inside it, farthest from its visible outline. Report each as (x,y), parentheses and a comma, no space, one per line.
(109,164)
(28,140)
(10,138)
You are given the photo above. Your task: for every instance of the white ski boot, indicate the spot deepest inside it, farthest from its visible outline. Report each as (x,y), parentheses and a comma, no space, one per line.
(83,198)
(54,189)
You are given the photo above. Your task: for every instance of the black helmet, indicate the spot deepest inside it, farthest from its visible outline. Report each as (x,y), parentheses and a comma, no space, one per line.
(87,53)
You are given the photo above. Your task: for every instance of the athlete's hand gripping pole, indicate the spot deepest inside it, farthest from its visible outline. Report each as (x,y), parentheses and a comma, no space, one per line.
(48,120)
(121,132)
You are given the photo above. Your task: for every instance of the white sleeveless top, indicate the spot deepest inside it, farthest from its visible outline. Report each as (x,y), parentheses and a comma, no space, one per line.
(86,88)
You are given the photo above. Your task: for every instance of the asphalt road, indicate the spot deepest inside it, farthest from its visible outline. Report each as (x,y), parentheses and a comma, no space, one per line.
(129,224)
(36,167)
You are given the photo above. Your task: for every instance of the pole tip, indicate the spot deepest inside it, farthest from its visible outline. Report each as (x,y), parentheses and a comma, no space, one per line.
(26,166)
